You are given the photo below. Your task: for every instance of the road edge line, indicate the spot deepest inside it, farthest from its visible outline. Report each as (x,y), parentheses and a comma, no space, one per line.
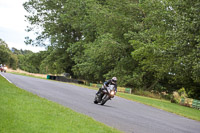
(6,78)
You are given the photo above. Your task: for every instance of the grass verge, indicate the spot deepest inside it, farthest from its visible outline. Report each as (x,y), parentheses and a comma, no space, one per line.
(22,111)
(164,105)
(24,74)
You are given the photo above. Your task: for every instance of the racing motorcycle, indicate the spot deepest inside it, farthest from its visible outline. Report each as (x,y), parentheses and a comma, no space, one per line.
(105,95)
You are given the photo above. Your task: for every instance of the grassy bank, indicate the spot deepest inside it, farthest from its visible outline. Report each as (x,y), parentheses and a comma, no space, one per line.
(22,112)
(164,105)
(30,75)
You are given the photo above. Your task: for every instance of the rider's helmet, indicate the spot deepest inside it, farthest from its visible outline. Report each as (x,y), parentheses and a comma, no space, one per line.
(114,80)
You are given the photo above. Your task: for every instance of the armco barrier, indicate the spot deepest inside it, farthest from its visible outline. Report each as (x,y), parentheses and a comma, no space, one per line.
(48,76)
(99,85)
(119,89)
(93,85)
(64,79)
(190,102)
(128,90)
(198,104)
(53,77)
(194,103)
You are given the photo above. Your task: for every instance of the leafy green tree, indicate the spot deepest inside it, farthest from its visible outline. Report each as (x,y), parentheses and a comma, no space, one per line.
(6,56)
(167,46)
(21,62)
(4,53)
(99,58)
(13,61)
(56,61)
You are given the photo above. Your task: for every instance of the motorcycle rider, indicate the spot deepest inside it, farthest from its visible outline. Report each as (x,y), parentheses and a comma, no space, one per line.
(112,81)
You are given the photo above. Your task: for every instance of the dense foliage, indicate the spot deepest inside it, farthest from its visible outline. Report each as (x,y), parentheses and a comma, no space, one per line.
(147,44)
(6,56)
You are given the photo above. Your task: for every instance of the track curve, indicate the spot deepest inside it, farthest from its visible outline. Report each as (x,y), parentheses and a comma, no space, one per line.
(127,116)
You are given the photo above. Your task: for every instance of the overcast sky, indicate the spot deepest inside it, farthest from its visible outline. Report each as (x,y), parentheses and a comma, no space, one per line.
(13,25)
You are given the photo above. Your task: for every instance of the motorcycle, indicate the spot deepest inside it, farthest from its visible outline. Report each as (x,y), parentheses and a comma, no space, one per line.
(5,68)
(105,95)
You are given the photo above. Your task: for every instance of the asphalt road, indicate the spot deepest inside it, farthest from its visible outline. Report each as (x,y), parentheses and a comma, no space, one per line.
(125,115)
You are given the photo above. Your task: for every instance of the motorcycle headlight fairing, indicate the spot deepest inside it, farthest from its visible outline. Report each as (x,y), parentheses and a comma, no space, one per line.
(112,92)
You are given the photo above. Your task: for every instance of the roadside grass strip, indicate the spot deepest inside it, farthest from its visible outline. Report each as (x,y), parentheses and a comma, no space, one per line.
(24,74)
(164,105)
(24,112)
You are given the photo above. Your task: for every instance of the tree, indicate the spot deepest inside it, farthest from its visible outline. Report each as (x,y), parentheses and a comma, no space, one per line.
(6,56)
(56,61)
(4,53)
(167,44)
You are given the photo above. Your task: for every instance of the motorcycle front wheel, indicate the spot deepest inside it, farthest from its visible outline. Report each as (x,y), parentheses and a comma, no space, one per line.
(104,99)
(95,99)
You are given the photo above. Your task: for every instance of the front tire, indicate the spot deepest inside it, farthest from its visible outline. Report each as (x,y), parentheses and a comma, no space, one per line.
(95,99)
(104,99)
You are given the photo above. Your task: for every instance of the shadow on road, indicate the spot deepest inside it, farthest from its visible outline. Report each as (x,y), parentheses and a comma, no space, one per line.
(106,106)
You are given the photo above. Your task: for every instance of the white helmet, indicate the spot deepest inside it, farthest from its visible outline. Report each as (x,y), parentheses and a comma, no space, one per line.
(114,80)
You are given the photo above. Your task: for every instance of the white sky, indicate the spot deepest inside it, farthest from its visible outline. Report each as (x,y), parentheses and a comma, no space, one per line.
(13,25)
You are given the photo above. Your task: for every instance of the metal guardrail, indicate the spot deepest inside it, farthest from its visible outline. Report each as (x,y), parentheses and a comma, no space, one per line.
(64,79)
(196,104)
(190,102)
(119,89)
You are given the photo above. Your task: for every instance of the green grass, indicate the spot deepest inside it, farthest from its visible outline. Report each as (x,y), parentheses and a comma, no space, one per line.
(24,74)
(24,112)
(164,105)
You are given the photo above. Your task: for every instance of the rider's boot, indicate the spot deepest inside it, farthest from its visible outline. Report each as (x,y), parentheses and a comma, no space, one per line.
(99,91)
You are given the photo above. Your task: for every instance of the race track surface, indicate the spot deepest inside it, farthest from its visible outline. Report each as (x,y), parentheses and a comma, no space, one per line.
(125,115)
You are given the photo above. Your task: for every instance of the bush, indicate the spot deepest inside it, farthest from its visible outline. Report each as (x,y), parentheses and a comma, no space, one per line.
(175,98)
(182,93)
(188,102)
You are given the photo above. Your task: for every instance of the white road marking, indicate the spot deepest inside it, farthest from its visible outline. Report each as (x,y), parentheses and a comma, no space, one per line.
(6,78)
